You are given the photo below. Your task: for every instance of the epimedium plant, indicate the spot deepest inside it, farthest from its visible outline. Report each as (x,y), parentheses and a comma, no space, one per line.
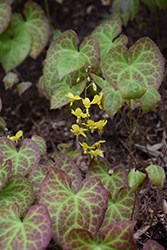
(40,201)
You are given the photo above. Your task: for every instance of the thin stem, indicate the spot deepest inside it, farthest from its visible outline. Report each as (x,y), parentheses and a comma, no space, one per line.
(157,208)
(48,15)
(130,136)
(124,119)
(81,161)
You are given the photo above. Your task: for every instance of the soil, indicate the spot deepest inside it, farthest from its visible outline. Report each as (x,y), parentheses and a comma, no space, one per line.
(31,111)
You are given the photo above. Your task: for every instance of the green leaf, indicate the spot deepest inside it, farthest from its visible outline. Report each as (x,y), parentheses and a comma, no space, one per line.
(114,236)
(113,183)
(34,232)
(5,15)
(100,81)
(24,160)
(156,175)
(56,33)
(23,86)
(5,171)
(85,209)
(105,34)
(135,178)
(37,26)
(152,245)
(149,99)
(15,44)
(17,189)
(41,143)
(151,4)
(2,122)
(112,100)
(130,5)
(161,3)
(131,89)
(10,79)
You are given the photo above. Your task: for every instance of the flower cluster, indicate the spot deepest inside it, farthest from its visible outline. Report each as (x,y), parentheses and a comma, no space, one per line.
(88,125)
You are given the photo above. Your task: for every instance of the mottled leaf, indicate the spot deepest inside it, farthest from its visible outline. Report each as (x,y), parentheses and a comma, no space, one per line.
(135,178)
(85,209)
(25,159)
(112,100)
(5,171)
(10,79)
(34,232)
(23,86)
(152,245)
(69,166)
(36,177)
(15,44)
(116,236)
(17,189)
(37,26)
(156,175)
(5,15)
(131,89)
(113,183)
(41,143)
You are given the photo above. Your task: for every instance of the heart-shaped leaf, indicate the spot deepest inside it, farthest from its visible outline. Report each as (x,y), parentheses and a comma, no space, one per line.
(10,79)
(17,189)
(105,34)
(116,236)
(156,175)
(120,208)
(131,89)
(34,232)
(143,62)
(112,183)
(37,26)
(23,86)
(41,143)
(5,171)
(112,100)
(24,160)
(15,44)
(69,166)
(149,99)
(5,15)
(85,209)
(152,245)
(135,178)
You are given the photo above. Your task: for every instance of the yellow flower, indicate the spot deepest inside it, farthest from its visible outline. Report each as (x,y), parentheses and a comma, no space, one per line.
(86,103)
(100,124)
(86,147)
(95,153)
(16,137)
(97,100)
(98,144)
(94,86)
(79,114)
(73,98)
(90,124)
(77,130)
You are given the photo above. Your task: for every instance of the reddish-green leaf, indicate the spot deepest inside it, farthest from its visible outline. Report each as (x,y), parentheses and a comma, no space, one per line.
(112,100)
(15,43)
(120,207)
(85,209)
(69,166)
(23,86)
(131,89)
(5,15)
(143,62)
(36,177)
(25,159)
(156,175)
(113,183)
(41,143)
(34,232)
(5,170)
(135,178)
(17,189)
(37,26)
(10,79)
(116,236)
(152,245)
